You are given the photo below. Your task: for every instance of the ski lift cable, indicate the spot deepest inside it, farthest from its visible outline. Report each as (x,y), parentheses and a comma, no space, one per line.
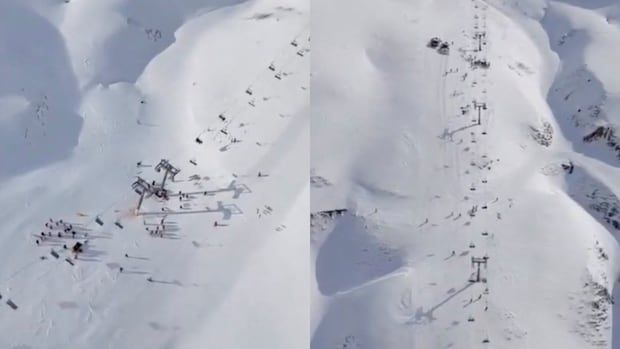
(243,105)
(282,52)
(285,56)
(240,103)
(239,106)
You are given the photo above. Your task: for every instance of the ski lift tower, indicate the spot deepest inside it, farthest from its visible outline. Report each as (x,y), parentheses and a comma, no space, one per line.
(169,170)
(141,187)
(480,107)
(478,261)
(479,36)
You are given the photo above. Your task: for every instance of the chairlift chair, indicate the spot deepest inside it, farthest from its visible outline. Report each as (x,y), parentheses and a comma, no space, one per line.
(444,48)
(77,248)
(272,67)
(198,140)
(434,42)
(248,91)
(278,76)
(11,304)
(98,221)
(294,43)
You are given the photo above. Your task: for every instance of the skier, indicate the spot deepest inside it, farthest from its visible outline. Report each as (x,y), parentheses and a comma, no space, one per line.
(453,253)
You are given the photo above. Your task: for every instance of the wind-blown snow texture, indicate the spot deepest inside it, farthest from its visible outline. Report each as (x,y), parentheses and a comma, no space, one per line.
(88,90)
(534,186)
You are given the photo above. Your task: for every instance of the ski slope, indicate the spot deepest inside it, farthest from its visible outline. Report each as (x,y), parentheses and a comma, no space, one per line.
(96,93)
(529,184)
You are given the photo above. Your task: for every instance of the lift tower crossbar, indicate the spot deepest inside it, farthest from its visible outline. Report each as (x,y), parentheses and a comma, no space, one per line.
(168,170)
(141,187)
(480,107)
(477,262)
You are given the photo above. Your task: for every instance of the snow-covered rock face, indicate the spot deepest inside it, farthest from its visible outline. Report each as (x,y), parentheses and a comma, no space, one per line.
(533,186)
(95,93)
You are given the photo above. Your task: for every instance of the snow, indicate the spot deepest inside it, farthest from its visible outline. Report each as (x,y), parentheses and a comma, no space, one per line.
(113,83)
(96,93)
(398,153)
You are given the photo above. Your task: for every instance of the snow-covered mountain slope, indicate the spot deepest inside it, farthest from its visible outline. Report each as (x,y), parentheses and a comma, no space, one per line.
(528,191)
(95,93)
